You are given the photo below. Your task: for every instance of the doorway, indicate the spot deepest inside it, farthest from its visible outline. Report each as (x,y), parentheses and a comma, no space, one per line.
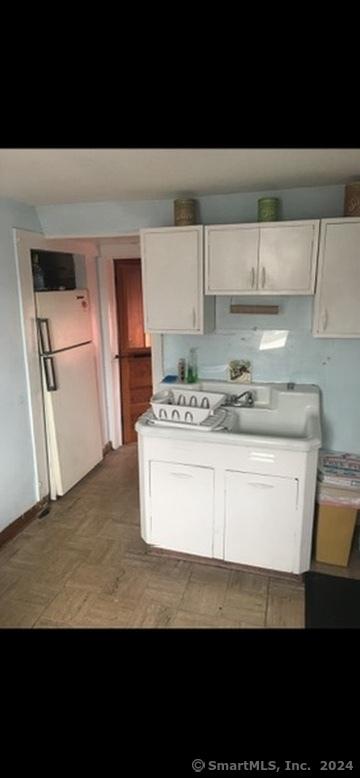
(134,346)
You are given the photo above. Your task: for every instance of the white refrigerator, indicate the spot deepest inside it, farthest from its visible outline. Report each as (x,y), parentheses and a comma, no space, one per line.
(71,401)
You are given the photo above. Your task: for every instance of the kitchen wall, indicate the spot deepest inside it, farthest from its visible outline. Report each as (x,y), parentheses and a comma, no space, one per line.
(334,364)
(114,218)
(280,349)
(17,474)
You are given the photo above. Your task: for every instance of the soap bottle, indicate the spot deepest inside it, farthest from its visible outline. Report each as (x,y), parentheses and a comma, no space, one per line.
(192,373)
(181,371)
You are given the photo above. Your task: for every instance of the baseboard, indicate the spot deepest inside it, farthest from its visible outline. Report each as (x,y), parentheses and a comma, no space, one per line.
(19,524)
(107,448)
(156,551)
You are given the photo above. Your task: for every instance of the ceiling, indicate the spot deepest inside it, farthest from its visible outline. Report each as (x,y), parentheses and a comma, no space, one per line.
(50,176)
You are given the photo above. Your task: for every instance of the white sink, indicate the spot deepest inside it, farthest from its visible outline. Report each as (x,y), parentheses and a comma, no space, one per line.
(260,421)
(280,416)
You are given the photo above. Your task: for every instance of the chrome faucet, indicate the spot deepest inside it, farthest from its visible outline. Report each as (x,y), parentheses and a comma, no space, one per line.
(248,401)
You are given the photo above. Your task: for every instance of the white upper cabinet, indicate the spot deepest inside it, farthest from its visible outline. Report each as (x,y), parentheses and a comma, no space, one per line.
(268,258)
(337,308)
(172,279)
(287,257)
(231,258)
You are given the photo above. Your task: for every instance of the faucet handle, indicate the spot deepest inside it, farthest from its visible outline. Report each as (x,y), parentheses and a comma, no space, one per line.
(234,398)
(249,397)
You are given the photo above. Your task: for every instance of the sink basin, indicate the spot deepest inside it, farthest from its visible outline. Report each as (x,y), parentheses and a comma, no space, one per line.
(282,417)
(288,415)
(263,421)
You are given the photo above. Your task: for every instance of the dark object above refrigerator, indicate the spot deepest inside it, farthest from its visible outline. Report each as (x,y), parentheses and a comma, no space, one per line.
(52,270)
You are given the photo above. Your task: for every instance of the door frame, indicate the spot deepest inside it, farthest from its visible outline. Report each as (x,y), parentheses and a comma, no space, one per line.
(125,351)
(100,253)
(120,247)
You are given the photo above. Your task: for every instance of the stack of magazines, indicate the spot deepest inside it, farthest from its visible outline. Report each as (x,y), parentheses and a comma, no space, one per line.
(336,468)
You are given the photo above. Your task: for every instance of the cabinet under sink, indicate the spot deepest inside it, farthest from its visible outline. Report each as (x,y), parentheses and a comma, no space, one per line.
(246,495)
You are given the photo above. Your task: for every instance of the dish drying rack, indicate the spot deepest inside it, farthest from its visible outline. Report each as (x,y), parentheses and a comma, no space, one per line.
(185,407)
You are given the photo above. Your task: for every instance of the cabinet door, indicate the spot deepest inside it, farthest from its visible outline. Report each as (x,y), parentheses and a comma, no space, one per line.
(287,258)
(261,520)
(231,259)
(337,309)
(182,498)
(172,279)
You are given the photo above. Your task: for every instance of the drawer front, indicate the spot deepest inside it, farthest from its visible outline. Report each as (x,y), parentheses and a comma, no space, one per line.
(223,456)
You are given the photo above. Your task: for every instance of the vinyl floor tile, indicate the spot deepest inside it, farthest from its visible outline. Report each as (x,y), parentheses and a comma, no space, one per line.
(84,565)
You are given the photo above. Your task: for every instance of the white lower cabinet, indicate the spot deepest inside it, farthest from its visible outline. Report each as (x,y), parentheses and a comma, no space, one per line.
(182,507)
(261,520)
(246,505)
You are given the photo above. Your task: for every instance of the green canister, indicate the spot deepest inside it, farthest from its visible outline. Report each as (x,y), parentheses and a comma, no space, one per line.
(268,209)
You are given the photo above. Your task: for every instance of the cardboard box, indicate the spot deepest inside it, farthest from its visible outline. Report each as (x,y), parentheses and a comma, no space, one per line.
(334,531)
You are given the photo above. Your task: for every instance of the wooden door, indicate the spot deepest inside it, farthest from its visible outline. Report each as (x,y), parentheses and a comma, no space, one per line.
(134,346)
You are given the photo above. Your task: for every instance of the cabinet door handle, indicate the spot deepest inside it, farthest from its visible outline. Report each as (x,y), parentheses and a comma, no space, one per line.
(259,485)
(194,318)
(252,277)
(325,319)
(263,277)
(181,475)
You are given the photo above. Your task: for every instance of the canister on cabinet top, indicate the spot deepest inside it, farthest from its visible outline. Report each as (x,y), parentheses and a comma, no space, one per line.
(184,212)
(352,199)
(268,209)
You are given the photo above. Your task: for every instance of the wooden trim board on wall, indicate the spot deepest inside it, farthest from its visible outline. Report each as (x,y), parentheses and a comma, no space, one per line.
(19,524)
(267,309)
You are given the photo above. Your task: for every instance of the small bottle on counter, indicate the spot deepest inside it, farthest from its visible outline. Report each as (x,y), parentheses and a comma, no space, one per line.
(192,372)
(182,371)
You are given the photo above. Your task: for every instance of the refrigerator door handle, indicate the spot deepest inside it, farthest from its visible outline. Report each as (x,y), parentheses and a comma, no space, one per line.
(50,377)
(44,334)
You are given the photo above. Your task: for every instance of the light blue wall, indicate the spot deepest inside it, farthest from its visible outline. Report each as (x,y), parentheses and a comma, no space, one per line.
(110,218)
(304,203)
(332,364)
(115,217)
(281,348)
(17,473)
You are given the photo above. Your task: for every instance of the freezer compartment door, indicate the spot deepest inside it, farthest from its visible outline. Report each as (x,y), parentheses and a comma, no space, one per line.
(63,319)
(72,417)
